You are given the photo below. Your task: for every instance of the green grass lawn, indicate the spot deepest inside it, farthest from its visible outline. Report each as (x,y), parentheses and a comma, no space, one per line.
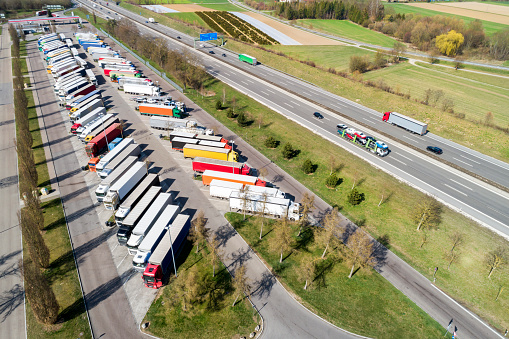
(189,17)
(386,312)
(24,67)
(22,48)
(489,27)
(473,94)
(168,319)
(349,30)
(38,150)
(503,3)
(63,277)
(224,7)
(337,57)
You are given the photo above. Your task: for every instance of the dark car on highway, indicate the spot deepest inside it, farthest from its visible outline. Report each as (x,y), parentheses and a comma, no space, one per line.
(212,52)
(434,149)
(318,115)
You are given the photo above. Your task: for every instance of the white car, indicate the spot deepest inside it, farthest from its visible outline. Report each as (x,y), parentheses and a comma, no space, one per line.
(341,126)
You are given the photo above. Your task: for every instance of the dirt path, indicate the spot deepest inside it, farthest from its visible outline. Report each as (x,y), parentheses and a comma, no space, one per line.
(476,14)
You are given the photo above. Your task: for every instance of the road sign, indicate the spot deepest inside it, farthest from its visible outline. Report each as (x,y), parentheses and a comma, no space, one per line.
(88,16)
(208,36)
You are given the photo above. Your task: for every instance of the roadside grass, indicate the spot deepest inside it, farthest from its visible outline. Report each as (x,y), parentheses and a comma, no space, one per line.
(392,220)
(168,319)
(24,67)
(484,69)
(503,3)
(485,139)
(224,7)
(337,57)
(189,17)
(23,48)
(63,277)
(349,30)
(489,27)
(386,312)
(473,94)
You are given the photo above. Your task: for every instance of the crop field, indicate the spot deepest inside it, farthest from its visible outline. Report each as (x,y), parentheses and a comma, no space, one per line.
(337,57)
(473,94)
(189,17)
(349,30)
(489,27)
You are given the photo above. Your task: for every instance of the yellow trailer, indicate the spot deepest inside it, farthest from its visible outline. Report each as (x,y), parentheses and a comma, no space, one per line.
(193,151)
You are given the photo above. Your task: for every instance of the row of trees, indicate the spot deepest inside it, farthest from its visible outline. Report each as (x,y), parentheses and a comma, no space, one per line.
(31,218)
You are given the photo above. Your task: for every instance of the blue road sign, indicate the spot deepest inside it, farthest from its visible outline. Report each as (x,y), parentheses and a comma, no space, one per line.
(208,36)
(88,17)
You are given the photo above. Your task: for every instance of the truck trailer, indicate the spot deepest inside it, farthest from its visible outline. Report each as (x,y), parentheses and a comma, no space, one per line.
(96,126)
(121,189)
(405,122)
(154,236)
(137,89)
(200,165)
(254,203)
(159,110)
(209,175)
(86,109)
(126,226)
(131,150)
(133,198)
(247,58)
(193,151)
(73,103)
(165,253)
(88,88)
(112,154)
(96,113)
(223,189)
(119,171)
(99,142)
(143,227)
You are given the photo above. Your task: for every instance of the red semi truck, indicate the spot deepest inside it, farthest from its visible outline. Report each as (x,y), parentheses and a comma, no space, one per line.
(96,145)
(201,164)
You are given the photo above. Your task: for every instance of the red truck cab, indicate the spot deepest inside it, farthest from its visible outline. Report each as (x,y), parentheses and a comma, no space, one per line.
(153,276)
(386,116)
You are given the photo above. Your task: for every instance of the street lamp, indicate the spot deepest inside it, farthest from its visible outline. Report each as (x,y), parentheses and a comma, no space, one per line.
(233,168)
(104,131)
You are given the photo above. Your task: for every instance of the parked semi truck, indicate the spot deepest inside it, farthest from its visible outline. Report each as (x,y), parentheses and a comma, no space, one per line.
(254,203)
(119,171)
(193,151)
(133,198)
(223,189)
(121,189)
(200,165)
(86,109)
(179,143)
(85,102)
(112,154)
(96,113)
(131,150)
(165,253)
(91,76)
(98,143)
(126,226)
(247,58)
(74,103)
(142,89)
(405,122)
(159,110)
(79,91)
(154,236)
(128,80)
(96,126)
(169,123)
(209,175)
(143,227)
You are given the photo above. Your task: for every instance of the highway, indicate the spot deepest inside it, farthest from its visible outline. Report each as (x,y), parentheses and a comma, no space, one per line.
(12,294)
(472,197)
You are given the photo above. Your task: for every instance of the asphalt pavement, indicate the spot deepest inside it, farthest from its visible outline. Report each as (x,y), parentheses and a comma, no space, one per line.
(12,295)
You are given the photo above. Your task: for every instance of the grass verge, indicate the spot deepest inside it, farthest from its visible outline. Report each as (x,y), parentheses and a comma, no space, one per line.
(386,312)
(168,319)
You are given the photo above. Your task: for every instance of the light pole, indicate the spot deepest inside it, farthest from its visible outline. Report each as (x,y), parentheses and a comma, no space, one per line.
(233,168)
(104,131)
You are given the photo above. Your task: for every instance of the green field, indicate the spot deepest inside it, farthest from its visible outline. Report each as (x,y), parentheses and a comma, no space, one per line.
(38,150)
(337,57)
(349,30)
(473,94)
(191,18)
(224,7)
(489,27)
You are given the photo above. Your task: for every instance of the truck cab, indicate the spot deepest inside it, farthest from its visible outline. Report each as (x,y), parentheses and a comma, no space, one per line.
(140,260)
(123,234)
(133,243)
(153,276)
(92,163)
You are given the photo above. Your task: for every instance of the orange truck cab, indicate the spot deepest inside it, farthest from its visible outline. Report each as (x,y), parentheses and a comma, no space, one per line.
(92,164)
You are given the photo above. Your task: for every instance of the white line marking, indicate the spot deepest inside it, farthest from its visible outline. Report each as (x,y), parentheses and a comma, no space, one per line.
(455,189)
(245,83)
(399,161)
(287,104)
(120,263)
(401,155)
(461,184)
(404,136)
(264,93)
(271,91)
(469,159)
(466,163)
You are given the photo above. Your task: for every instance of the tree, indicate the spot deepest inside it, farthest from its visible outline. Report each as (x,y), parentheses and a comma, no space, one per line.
(306,206)
(448,105)
(259,121)
(94,17)
(307,166)
(496,259)
(488,119)
(428,214)
(398,49)
(288,151)
(499,44)
(241,283)
(355,197)
(458,63)
(265,198)
(198,232)
(379,60)
(308,272)
(450,43)
(270,142)
(457,238)
(451,256)
(330,232)
(39,293)
(230,114)
(332,163)
(214,253)
(244,196)
(359,63)
(361,251)
(219,106)
(331,181)
(37,249)
(282,239)
(242,119)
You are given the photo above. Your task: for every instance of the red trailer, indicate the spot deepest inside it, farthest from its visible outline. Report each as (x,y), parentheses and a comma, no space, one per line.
(201,164)
(96,145)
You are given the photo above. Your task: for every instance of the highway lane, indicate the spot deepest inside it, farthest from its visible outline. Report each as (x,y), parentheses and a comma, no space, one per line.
(12,294)
(481,202)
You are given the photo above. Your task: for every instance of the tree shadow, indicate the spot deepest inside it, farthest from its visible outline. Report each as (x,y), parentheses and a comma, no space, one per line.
(263,287)
(239,258)
(323,267)
(384,240)
(307,236)
(10,300)
(72,311)
(224,233)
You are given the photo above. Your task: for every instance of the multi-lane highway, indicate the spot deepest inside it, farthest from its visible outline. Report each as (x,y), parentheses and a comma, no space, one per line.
(298,99)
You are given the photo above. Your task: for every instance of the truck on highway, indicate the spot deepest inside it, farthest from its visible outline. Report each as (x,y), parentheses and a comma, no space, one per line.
(126,226)
(369,143)
(95,124)
(121,189)
(209,175)
(99,142)
(131,150)
(128,205)
(145,224)
(193,151)
(111,155)
(247,58)
(154,236)
(200,165)
(165,253)
(119,171)
(405,122)
(159,110)
(86,109)
(84,121)
(142,89)
(254,203)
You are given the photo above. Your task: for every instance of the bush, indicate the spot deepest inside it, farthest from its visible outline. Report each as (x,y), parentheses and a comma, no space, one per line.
(307,167)
(358,63)
(230,114)
(219,105)
(331,181)
(288,151)
(242,119)
(355,198)
(271,142)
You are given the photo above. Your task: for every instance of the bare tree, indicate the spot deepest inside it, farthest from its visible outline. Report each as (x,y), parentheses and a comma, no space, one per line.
(428,214)
(198,232)
(214,253)
(457,238)
(331,232)
(496,259)
(37,249)
(308,272)
(265,198)
(307,205)
(361,251)
(241,283)
(451,256)
(282,240)
(244,196)
(259,121)
(332,163)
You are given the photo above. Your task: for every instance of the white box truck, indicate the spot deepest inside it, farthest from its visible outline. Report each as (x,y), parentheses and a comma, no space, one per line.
(142,90)
(131,150)
(120,189)
(133,198)
(112,154)
(277,207)
(105,184)
(86,109)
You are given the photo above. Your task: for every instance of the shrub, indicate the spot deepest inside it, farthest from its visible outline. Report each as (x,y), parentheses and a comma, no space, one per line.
(219,105)
(288,151)
(358,63)
(307,167)
(354,197)
(271,142)
(230,114)
(331,181)
(242,119)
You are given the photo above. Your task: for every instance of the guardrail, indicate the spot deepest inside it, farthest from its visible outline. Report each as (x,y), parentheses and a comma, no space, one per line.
(147,63)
